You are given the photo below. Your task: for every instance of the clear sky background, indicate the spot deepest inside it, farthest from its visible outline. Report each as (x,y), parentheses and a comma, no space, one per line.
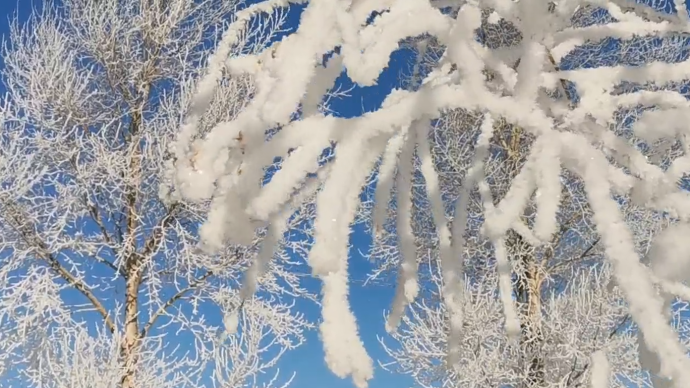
(368,302)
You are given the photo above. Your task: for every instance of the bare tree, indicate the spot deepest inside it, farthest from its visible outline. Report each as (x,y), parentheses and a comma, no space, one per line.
(102,283)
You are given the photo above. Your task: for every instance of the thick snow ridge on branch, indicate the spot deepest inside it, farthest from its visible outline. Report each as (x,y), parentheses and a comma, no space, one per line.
(569,124)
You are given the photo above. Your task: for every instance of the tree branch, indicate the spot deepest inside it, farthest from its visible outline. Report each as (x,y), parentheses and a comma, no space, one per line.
(576,259)
(572,377)
(181,294)
(95,215)
(157,234)
(31,238)
(155,238)
(81,287)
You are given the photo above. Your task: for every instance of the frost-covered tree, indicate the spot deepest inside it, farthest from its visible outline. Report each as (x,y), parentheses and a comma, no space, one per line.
(574,323)
(102,283)
(555,118)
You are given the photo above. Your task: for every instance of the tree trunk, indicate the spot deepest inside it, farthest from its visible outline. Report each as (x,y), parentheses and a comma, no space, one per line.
(528,293)
(527,287)
(131,341)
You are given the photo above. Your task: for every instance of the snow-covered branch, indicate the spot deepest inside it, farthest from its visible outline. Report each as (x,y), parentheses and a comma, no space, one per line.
(556,79)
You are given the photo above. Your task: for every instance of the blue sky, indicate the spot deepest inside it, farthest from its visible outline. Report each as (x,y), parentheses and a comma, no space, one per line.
(368,303)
